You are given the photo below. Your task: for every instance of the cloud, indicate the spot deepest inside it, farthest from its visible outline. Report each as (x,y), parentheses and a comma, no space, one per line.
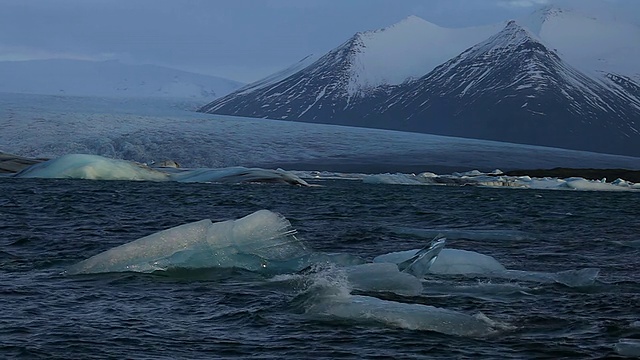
(19,53)
(522,3)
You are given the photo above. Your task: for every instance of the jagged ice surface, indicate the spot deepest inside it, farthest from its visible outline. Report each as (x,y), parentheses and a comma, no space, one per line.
(251,242)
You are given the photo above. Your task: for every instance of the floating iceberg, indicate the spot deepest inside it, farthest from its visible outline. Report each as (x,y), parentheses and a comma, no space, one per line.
(262,240)
(329,296)
(239,174)
(403,315)
(265,241)
(496,179)
(464,262)
(383,277)
(94,167)
(345,287)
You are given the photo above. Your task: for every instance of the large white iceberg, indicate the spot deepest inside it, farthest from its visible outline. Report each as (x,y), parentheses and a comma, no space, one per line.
(330,296)
(258,241)
(464,262)
(94,167)
(403,315)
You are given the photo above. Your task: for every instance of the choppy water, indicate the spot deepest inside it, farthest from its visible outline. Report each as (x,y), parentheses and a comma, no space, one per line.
(47,225)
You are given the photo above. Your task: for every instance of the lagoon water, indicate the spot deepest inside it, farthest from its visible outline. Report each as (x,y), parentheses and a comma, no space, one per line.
(48,225)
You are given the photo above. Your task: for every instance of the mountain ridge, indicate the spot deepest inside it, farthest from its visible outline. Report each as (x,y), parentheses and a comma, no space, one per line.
(511,86)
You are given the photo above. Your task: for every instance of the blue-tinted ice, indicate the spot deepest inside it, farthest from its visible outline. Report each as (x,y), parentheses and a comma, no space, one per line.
(471,263)
(265,242)
(258,241)
(94,167)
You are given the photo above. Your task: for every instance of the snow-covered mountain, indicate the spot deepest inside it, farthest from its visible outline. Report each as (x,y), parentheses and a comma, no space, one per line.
(594,45)
(108,78)
(601,47)
(321,89)
(512,88)
(521,82)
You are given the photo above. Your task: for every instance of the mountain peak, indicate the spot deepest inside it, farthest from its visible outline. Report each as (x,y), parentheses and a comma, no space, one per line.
(409,24)
(510,84)
(412,19)
(512,27)
(404,51)
(593,42)
(512,35)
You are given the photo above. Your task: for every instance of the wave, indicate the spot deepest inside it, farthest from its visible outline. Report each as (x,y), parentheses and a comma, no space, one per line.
(331,286)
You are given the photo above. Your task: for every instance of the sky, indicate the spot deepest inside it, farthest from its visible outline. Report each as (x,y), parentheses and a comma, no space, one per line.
(243,40)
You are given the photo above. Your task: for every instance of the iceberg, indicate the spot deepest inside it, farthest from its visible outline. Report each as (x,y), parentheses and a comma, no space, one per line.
(450,262)
(329,296)
(94,167)
(383,277)
(263,240)
(361,308)
(420,263)
(497,179)
(239,174)
(464,262)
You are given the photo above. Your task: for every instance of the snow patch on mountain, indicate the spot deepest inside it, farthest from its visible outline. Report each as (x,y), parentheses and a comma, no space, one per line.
(594,45)
(407,50)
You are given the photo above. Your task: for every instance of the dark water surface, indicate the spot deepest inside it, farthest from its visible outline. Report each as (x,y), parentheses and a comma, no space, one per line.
(47,225)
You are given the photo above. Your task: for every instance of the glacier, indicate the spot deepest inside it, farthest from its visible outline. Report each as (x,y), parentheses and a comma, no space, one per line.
(234,149)
(148,130)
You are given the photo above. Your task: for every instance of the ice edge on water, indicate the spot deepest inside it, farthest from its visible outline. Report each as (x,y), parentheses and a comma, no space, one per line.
(95,167)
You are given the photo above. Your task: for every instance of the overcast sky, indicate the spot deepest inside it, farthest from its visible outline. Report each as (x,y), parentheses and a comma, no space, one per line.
(239,39)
